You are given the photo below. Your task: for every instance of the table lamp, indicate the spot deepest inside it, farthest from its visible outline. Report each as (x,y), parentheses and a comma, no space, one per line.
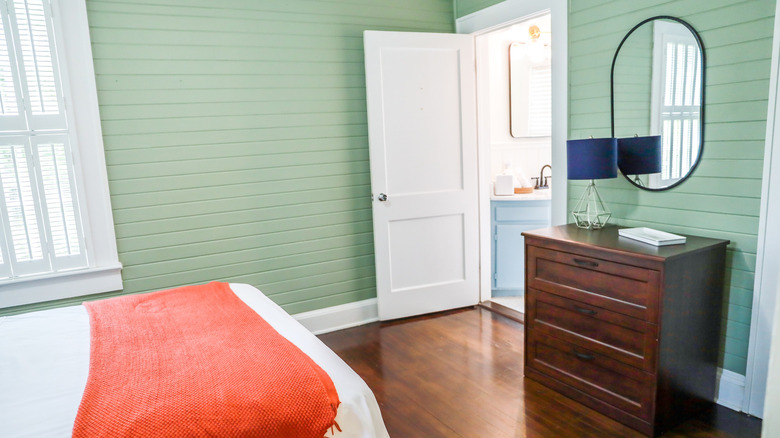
(640,156)
(591,158)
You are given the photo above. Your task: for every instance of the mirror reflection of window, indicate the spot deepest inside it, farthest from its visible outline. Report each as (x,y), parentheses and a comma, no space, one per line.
(540,101)
(676,98)
(530,86)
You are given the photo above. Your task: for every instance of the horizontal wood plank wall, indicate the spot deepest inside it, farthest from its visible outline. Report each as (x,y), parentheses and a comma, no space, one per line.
(633,84)
(466,7)
(721,199)
(236,141)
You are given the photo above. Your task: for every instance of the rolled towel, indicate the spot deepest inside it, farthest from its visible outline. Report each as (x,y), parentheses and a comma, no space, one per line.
(521,179)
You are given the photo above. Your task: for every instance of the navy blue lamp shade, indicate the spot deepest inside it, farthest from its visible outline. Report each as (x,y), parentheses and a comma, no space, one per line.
(640,155)
(592,158)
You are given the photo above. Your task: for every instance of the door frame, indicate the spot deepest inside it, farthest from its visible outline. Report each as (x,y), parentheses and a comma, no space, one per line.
(765,288)
(482,22)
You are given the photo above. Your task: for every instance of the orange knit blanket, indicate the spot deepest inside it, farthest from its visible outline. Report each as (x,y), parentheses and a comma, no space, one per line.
(196,361)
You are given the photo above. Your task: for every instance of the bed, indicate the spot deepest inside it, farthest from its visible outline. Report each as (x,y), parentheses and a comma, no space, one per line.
(44,365)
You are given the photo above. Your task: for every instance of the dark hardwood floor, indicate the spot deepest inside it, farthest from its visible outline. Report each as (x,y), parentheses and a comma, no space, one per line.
(460,374)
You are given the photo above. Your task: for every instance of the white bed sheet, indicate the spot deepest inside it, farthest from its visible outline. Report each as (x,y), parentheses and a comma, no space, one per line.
(44,363)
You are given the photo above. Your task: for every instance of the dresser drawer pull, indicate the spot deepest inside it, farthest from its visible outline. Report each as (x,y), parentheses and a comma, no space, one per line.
(586,263)
(585,311)
(584,356)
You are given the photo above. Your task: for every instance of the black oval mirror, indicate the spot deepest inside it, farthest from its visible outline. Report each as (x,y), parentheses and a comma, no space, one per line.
(657,89)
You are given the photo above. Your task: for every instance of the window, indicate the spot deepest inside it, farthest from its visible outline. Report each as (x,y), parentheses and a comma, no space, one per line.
(676,98)
(42,229)
(46,201)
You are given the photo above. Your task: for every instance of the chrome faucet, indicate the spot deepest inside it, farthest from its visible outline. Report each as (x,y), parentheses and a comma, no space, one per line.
(542,183)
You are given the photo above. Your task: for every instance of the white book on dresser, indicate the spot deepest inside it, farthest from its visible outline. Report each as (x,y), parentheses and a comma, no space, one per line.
(651,236)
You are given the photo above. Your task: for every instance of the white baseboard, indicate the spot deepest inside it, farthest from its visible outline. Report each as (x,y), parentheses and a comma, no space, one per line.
(340,317)
(731,389)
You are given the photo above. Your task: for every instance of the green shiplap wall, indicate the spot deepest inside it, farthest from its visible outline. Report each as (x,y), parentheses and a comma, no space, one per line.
(466,7)
(633,84)
(722,197)
(236,141)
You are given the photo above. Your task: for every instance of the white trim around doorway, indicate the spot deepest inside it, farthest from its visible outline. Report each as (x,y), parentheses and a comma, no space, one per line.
(765,288)
(488,20)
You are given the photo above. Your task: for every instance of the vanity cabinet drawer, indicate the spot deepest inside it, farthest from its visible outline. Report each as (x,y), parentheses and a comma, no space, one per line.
(629,340)
(625,289)
(530,212)
(602,377)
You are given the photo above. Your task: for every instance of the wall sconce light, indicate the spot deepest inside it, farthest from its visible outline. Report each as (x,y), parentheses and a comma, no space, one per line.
(536,48)
(534,32)
(592,158)
(640,156)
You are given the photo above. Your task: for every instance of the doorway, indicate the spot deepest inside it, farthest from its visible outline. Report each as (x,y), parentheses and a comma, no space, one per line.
(521,134)
(429,265)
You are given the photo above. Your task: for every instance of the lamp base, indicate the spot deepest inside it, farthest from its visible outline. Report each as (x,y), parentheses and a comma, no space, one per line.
(590,211)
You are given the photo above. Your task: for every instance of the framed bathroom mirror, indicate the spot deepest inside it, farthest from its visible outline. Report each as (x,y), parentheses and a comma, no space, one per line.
(657,89)
(530,80)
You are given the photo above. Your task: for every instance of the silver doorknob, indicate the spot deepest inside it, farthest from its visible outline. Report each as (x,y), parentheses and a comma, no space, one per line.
(382,197)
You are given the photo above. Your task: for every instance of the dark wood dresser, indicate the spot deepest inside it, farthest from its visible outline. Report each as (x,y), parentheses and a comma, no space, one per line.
(629,329)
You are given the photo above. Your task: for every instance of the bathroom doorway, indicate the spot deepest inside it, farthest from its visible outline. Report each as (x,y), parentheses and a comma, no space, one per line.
(519,126)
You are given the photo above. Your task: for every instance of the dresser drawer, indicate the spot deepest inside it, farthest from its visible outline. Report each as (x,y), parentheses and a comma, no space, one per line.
(629,340)
(622,386)
(626,289)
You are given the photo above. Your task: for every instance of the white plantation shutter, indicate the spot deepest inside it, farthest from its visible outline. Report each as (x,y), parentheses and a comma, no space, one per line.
(8,105)
(540,101)
(679,104)
(36,58)
(59,200)
(11,113)
(41,229)
(21,213)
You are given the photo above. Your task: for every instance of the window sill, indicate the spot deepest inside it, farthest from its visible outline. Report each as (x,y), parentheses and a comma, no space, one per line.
(20,291)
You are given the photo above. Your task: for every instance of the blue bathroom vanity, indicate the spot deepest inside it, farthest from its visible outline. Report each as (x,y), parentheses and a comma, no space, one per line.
(509,217)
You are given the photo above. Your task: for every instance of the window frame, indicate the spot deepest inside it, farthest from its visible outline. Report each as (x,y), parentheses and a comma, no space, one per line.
(103,274)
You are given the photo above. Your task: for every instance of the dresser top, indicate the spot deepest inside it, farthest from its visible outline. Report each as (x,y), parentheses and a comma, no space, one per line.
(608,238)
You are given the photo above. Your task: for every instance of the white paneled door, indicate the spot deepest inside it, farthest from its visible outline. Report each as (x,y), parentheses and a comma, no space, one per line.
(423,147)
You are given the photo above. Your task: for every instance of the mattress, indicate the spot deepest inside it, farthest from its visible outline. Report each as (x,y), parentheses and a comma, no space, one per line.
(44,363)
